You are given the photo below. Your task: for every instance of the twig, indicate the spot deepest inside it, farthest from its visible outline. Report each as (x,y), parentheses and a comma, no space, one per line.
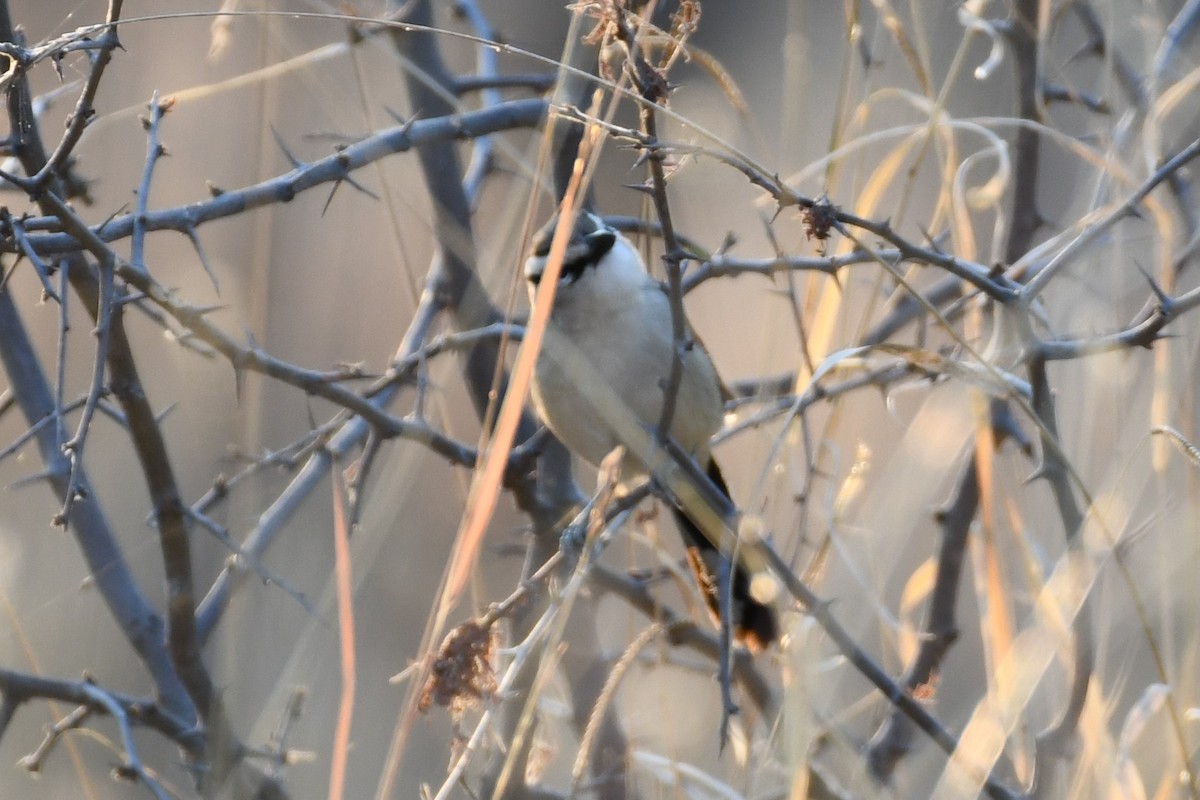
(1140,334)
(271,521)
(940,629)
(820,610)
(73,448)
(583,756)
(534,81)
(279,752)
(683,632)
(722,265)
(18,688)
(402,369)
(281,189)
(60,376)
(255,360)
(24,247)
(154,151)
(982,277)
(100,53)
(269,578)
(1039,282)
(133,763)
(139,622)
(72,721)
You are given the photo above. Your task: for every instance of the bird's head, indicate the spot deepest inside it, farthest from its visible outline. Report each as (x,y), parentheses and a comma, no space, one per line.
(598,258)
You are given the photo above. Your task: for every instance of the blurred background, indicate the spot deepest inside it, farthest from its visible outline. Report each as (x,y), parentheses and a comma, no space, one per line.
(831,104)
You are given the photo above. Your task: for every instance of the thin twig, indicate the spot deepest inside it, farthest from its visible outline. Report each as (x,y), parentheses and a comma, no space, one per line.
(284,188)
(100,53)
(73,448)
(1089,234)
(154,151)
(139,621)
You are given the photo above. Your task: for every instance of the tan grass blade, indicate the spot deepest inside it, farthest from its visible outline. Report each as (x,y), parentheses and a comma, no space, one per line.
(1021,669)
(340,752)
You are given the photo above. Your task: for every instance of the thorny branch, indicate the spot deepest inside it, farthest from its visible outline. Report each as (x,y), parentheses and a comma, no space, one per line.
(281,189)
(96,290)
(138,620)
(452,286)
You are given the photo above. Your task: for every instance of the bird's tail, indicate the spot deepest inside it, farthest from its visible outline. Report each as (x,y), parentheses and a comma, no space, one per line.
(754,623)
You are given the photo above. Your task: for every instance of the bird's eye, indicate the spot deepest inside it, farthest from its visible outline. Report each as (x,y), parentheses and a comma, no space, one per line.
(572,270)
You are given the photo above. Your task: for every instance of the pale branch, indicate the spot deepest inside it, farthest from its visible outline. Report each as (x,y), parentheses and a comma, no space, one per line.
(1092,232)
(60,376)
(222,750)
(1143,333)
(254,359)
(61,409)
(987,279)
(1023,38)
(154,151)
(284,188)
(456,283)
(722,265)
(43,272)
(403,370)
(222,535)
(100,55)
(939,630)
(1137,88)
(1177,36)
(133,763)
(133,611)
(20,687)
(823,213)
(534,81)
(73,720)
(880,378)
(340,443)
(601,706)
(821,611)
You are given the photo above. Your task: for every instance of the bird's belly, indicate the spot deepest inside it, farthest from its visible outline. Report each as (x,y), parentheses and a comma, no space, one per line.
(636,371)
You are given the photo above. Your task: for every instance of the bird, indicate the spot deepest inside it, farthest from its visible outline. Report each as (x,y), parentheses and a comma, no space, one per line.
(612,319)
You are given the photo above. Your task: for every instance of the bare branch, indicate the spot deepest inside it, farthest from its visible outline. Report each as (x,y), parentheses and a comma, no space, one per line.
(401,138)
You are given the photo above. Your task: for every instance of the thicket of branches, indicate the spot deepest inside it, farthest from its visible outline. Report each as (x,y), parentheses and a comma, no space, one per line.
(963,360)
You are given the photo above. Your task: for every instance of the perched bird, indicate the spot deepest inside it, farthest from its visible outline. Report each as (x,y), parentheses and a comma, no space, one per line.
(611,319)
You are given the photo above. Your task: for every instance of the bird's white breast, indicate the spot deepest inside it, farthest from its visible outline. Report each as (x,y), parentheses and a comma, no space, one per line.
(616,321)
